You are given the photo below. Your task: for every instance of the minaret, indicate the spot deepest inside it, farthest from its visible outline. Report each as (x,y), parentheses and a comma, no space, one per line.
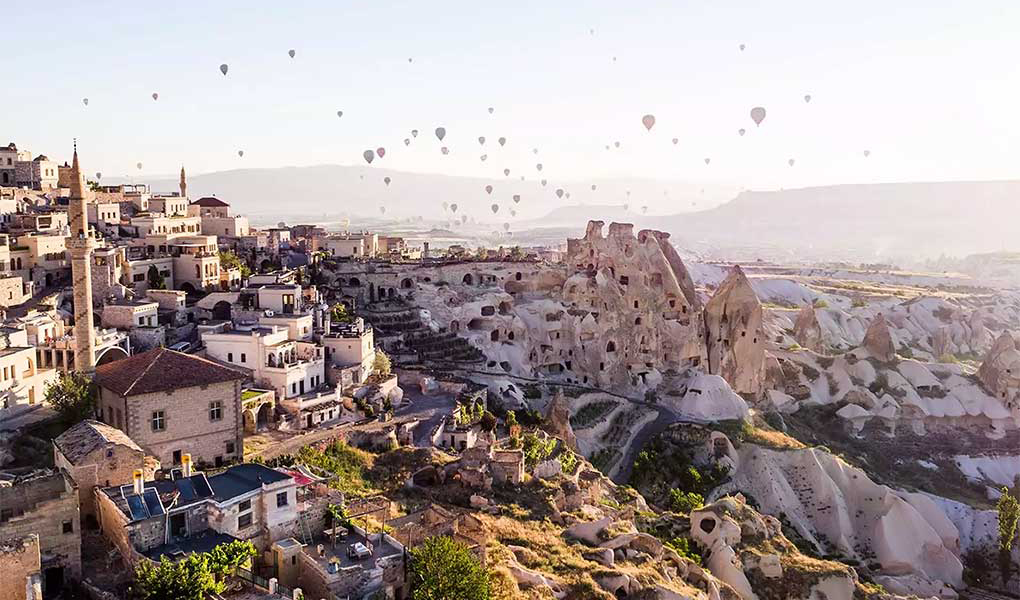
(80,244)
(184,184)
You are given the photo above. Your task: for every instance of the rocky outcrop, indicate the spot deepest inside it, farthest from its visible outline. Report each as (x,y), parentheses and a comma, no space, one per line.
(557,420)
(878,340)
(734,336)
(807,330)
(709,398)
(1000,370)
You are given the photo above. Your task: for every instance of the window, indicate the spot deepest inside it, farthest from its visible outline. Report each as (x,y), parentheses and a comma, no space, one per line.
(139,277)
(244,521)
(243,357)
(246,505)
(68,527)
(158,420)
(230,357)
(177,457)
(215,410)
(230,447)
(281,499)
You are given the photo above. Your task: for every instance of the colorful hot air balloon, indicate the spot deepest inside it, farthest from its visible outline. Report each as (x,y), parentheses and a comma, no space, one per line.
(502,141)
(453,207)
(440,133)
(742,46)
(381,152)
(444,150)
(483,157)
(559,192)
(708,160)
(495,208)
(506,226)
(867,153)
(85,101)
(517,198)
(648,121)
(544,181)
(99,175)
(593,186)
(534,150)
(506,172)
(155,96)
(757,115)
(617,144)
(807,97)
(386,180)
(488,189)
(676,141)
(790,162)
(741,131)
(382,209)
(223,68)
(513,213)
(481,140)
(291,53)
(339,113)
(491,110)
(240,153)
(369,156)
(139,165)
(407,141)
(538,166)
(414,133)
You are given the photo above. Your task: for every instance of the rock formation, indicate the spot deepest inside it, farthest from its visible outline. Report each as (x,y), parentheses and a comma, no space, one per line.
(807,330)
(734,335)
(878,340)
(1000,370)
(557,420)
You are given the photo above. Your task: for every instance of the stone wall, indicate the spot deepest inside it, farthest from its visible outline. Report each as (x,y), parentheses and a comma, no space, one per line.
(20,575)
(99,469)
(47,506)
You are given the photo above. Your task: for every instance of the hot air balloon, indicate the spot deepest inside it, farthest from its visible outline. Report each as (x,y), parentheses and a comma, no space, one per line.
(446,205)
(495,208)
(593,186)
(386,180)
(155,96)
(85,101)
(790,162)
(568,195)
(708,160)
(382,209)
(644,210)
(591,31)
(757,115)
(369,156)
(867,153)
(538,166)
(614,59)
(339,113)
(488,189)
(139,165)
(517,198)
(513,213)
(502,141)
(240,153)
(741,131)
(628,193)
(407,141)
(534,150)
(444,150)
(676,141)
(224,68)
(506,226)
(362,177)
(481,140)
(491,110)
(414,133)
(544,181)
(617,144)
(381,152)
(291,53)
(559,192)
(742,47)
(506,172)
(607,146)
(483,157)
(99,175)
(648,121)
(453,207)
(410,60)
(440,133)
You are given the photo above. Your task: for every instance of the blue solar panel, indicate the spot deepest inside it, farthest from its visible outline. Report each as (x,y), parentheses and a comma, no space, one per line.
(137,507)
(187,489)
(152,502)
(202,488)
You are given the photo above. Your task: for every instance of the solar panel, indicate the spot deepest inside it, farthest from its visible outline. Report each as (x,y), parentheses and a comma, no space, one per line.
(152,502)
(187,489)
(202,487)
(137,507)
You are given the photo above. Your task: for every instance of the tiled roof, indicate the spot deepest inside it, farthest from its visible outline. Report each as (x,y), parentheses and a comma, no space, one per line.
(161,370)
(79,441)
(210,201)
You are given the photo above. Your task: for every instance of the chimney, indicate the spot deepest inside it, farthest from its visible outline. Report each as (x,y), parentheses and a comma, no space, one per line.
(139,482)
(186,464)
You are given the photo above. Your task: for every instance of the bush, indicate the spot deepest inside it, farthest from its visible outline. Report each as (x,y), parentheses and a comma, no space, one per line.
(685,502)
(187,579)
(382,363)
(443,568)
(73,395)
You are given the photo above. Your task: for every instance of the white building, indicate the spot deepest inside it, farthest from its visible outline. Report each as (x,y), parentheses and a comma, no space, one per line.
(351,345)
(290,368)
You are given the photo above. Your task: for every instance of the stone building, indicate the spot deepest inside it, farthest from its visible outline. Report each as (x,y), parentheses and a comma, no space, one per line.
(172,403)
(21,577)
(45,503)
(96,454)
(81,245)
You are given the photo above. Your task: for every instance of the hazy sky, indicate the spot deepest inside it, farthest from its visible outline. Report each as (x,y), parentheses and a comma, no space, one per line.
(930,87)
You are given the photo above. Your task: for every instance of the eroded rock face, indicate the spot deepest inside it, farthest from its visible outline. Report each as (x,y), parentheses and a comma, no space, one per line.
(1000,370)
(807,330)
(878,340)
(734,336)
(557,420)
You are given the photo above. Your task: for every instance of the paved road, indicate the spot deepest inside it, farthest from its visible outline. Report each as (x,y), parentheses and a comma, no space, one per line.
(650,430)
(427,409)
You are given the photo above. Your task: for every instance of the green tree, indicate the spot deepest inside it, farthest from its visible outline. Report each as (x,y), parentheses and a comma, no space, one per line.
(230,260)
(339,314)
(511,418)
(226,558)
(73,395)
(685,502)
(382,363)
(1009,514)
(488,421)
(155,278)
(335,515)
(442,569)
(187,579)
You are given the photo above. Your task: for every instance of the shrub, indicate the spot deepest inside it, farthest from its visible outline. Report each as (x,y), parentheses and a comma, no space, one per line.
(73,395)
(685,502)
(444,568)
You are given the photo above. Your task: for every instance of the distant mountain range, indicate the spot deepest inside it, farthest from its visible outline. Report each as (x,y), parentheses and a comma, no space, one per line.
(853,222)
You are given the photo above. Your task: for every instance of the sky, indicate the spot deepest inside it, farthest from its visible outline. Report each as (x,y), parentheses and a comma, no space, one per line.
(931,88)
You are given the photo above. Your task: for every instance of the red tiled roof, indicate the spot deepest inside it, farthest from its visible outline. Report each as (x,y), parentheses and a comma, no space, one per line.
(210,201)
(161,370)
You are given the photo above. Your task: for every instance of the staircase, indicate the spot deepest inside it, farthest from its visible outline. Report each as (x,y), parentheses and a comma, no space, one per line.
(306,530)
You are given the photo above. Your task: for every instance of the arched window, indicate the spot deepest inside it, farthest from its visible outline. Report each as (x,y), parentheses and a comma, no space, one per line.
(611,346)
